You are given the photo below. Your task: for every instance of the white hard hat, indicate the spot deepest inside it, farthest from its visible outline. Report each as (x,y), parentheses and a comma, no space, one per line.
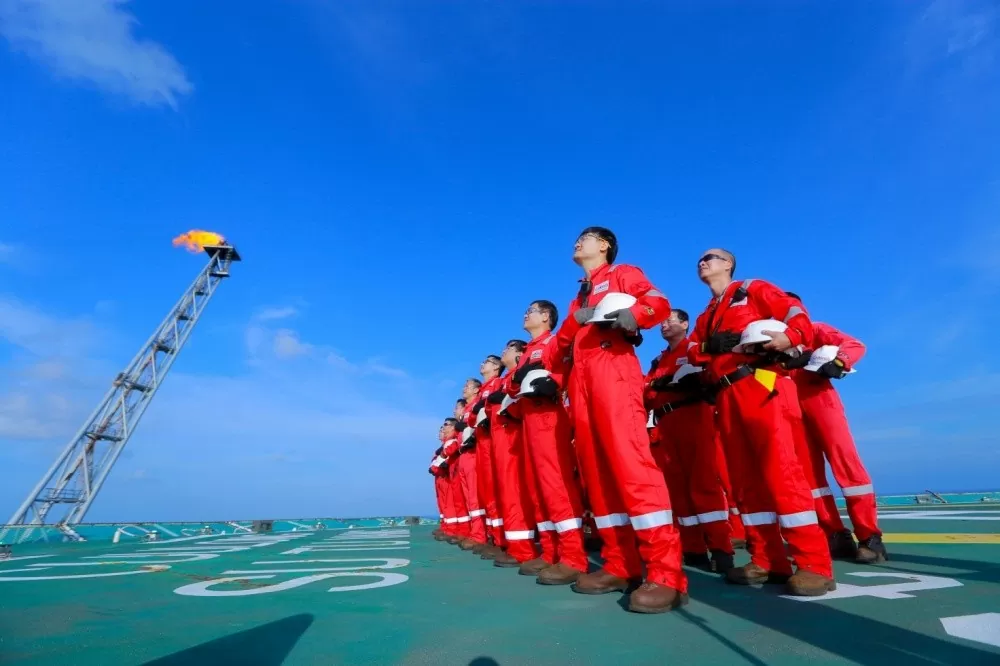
(754,332)
(481,416)
(467,434)
(822,356)
(530,377)
(507,402)
(651,423)
(684,371)
(612,301)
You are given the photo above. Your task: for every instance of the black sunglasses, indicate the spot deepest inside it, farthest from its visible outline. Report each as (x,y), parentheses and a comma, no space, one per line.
(708,257)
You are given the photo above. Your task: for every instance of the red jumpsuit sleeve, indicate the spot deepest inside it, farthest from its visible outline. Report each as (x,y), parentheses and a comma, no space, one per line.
(566,333)
(450,448)
(700,334)
(772,303)
(851,349)
(651,306)
(651,397)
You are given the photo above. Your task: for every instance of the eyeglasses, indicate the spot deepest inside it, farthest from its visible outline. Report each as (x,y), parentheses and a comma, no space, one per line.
(708,257)
(533,309)
(586,236)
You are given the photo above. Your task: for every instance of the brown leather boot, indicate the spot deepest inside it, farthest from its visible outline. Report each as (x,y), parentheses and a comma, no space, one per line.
(466,544)
(808,584)
(489,553)
(478,548)
(441,537)
(533,567)
(655,598)
(871,551)
(558,574)
(751,574)
(505,559)
(454,539)
(600,582)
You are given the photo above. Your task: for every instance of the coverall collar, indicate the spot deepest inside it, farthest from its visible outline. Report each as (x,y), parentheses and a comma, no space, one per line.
(597,274)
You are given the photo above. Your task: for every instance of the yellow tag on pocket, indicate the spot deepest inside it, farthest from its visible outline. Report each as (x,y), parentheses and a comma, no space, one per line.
(767,378)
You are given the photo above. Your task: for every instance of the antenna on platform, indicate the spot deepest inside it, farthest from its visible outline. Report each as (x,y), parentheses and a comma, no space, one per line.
(77,475)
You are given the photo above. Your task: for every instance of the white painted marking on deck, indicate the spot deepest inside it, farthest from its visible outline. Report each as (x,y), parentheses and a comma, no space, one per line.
(981,628)
(915,583)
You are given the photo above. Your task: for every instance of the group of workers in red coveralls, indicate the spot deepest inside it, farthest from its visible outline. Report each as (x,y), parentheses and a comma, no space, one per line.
(721,445)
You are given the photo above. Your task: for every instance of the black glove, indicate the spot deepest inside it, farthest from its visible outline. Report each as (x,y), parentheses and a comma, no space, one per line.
(478,406)
(545,387)
(833,369)
(495,398)
(654,364)
(661,383)
(691,382)
(523,371)
(794,363)
(485,423)
(720,343)
(623,319)
(469,442)
(583,315)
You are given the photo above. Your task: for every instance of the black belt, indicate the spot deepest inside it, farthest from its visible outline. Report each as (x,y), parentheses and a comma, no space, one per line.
(736,375)
(675,405)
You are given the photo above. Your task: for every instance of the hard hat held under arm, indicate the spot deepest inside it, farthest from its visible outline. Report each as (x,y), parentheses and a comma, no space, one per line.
(851,349)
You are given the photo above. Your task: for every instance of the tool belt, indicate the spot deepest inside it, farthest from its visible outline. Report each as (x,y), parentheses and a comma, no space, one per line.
(676,404)
(736,375)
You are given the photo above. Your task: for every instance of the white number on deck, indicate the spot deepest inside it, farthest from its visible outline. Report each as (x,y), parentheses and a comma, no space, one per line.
(981,628)
(916,583)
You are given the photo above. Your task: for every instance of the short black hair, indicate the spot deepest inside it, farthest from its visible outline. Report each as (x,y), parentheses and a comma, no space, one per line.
(681,314)
(462,401)
(732,260)
(605,234)
(451,421)
(518,345)
(495,359)
(549,308)
(793,295)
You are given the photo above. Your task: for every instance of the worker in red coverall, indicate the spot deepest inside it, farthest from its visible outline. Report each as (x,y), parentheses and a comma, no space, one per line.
(515,501)
(485,469)
(451,451)
(686,451)
(468,467)
(439,470)
(829,437)
(626,488)
(754,406)
(551,457)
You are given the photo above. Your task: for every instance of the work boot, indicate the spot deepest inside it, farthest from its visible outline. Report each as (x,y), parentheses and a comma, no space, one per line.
(453,539)
(533,567)
(489,553)
(505,559)
(842,546)
(440,537)
(752,574)
(436,533)
(739,544)
(600,582)
(808,584)
(697,560)
(721,561)
(655,598)
(558,574)
(479,548)
(466,544)
(872,551)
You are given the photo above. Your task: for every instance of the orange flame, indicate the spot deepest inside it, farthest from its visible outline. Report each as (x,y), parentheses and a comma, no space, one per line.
(196,240)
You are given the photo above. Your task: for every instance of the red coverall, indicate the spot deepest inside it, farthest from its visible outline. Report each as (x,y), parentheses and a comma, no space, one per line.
(459,520)
(469,462)
(626,488)
(485,468)
(829,435)
(546,430)
(737,531)
(757,434)
(517,508)
(438,470)
(686,452)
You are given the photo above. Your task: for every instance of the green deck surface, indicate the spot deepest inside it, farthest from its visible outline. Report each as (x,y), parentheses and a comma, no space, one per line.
(446,606)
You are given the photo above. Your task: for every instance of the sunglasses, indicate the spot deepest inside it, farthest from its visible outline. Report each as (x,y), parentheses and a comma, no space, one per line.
(708,257)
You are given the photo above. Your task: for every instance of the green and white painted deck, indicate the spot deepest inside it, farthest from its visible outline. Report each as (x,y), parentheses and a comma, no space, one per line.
(390,594)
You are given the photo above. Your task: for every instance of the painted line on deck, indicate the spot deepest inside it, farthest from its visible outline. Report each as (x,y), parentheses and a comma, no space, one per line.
(942,538)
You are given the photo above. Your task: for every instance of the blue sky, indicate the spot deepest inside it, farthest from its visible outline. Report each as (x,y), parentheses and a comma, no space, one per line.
(402,179)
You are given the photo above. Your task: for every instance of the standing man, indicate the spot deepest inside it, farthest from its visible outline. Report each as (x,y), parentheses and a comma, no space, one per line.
(829,436)
(755,401)
(490,370)
(468,472)
(687,451)
(451,451)
(514,501)
(550,454)
(625,486)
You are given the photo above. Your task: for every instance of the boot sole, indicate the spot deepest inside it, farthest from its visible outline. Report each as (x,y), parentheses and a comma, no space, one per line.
(506,565)
(830,586)
(770,579)
(600,590)
(529,573)
(879,559)
(557,581)
(681,600)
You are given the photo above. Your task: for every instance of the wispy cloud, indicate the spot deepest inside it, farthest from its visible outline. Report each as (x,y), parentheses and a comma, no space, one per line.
(961,31)
(95,41)
(272,314)
(288,345)
(43,334)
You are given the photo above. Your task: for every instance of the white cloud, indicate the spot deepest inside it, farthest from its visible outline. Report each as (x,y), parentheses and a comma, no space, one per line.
(963,30)
(94,40)
(288,345)
(43,334)
(272,314)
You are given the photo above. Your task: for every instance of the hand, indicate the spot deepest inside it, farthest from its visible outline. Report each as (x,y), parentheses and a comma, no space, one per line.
(796,362)
(660,384)
(834,369)
(623,319)
(545,387)
(495,398)
(583,315)
(478,406)
(691,382)
(721,343)
(779,341)
(523,371)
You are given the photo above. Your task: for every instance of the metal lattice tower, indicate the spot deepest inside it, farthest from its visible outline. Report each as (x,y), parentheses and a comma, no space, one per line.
(77,475)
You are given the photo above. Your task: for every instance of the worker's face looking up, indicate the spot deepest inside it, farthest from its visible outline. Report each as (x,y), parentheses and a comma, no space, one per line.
(714,263)
(589,246)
